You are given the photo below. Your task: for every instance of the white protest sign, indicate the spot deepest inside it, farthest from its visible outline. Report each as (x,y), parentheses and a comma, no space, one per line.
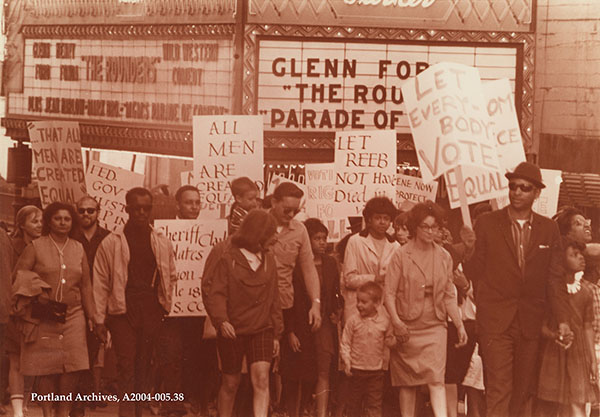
(480,184)
(57,161)
(547,203)
(449,121)
(413,189)
(225,147)
(192,241)
(365,167)
(108,185)
(320,199)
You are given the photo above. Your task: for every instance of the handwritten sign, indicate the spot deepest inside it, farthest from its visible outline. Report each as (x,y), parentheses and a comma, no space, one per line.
(192,241)
(225,147)
(108,185)
(449,121)
(480,184)
(57,161)
(365,167)
(414,190)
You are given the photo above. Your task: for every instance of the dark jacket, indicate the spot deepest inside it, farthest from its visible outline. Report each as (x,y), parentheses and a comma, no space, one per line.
(502,290)
(233,292)
(331,300)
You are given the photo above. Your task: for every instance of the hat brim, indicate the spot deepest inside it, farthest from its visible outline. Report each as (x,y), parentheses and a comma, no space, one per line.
(511,175)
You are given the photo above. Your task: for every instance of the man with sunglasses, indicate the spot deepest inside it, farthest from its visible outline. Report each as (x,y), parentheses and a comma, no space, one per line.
(134,277)
(516,273)
(90,235)
(293,247)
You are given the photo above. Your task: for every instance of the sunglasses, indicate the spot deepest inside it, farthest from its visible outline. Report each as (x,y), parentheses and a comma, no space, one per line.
(90,210)
(291,211)
(524,187)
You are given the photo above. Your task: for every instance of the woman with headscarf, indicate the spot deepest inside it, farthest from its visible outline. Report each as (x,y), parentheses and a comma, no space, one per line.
(59,349)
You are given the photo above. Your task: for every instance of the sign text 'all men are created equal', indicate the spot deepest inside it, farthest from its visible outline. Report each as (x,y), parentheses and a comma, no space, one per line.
(352,85)
(225,147)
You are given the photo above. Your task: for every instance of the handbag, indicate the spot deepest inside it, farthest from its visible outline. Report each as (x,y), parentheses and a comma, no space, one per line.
(48,310)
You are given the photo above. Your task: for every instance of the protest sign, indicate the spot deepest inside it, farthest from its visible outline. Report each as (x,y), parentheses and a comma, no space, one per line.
(480,184)
(449,121)
(192,241)
(414,190)
(320,199)
(225,147)
(365,167)
(108,185)
(57,161)
(547,203)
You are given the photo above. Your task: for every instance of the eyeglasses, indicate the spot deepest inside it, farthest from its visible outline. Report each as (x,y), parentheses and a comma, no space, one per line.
(144,207)
(428,228)
(291,211)
(90,210)
(513,186)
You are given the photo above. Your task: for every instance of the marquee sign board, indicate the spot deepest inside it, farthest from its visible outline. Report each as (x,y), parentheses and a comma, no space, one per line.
(307,86)
(146,81)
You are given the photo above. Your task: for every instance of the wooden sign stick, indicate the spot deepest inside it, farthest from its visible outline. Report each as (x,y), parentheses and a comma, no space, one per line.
(462,196)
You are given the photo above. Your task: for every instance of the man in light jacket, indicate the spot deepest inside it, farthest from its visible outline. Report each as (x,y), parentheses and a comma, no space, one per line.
(134,276)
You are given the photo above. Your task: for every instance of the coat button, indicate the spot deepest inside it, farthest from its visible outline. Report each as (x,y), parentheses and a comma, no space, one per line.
(60,337)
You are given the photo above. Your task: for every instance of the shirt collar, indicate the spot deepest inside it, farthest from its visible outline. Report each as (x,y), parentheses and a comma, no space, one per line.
(513,220)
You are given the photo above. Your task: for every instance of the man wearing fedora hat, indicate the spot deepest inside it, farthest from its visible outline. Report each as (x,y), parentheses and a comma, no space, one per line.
(517,274)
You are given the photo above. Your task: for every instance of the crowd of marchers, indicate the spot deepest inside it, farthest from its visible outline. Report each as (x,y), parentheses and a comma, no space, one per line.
(406,323)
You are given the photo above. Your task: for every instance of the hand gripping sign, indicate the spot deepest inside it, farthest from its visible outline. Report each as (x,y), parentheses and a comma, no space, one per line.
(449,123)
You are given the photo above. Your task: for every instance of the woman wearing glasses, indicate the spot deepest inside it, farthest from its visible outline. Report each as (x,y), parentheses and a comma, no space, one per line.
(57,349)
(419,296)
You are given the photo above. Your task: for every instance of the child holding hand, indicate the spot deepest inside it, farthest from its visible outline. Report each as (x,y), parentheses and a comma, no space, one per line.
(362,349)
(568,372)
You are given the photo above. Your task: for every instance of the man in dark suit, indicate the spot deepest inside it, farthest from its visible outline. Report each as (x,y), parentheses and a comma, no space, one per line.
(516,271)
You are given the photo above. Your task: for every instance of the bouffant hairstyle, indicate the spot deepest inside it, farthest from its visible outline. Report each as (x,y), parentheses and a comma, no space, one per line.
(22,216)
(564,219)
(314,226)
(420,212)
(256,229)
(373,289)
(287,189)
(52,209)
(401,220)
(241,186)
(379,205)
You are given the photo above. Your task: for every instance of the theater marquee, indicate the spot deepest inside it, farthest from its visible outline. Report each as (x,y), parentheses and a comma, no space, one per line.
(162,82)
(306,86)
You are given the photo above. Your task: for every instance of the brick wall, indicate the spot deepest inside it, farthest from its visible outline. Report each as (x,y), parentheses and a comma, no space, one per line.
(567,69)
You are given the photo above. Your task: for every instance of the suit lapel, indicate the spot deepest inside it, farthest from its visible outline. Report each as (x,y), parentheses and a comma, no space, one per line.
(506,229)
(534,235)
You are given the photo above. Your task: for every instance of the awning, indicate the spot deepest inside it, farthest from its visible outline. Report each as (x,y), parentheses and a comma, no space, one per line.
(579,189)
